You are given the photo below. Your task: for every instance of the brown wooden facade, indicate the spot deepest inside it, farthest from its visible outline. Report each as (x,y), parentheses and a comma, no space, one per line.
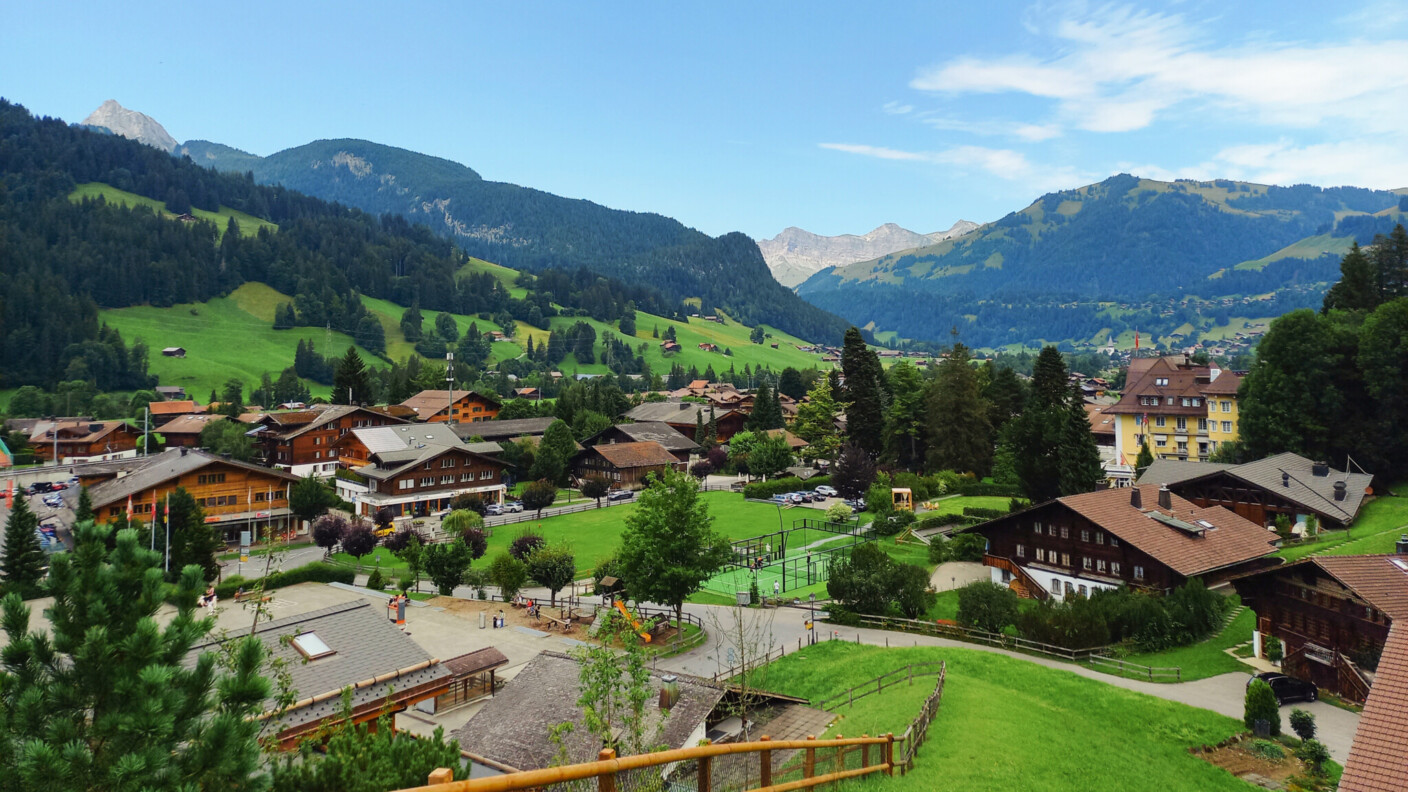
(233,496)
(1260,505)
(294,447)
(80,441)
(591,463)
(728,424)
(429,486)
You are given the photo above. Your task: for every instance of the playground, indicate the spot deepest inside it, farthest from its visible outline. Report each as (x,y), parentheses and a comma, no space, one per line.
(794,558)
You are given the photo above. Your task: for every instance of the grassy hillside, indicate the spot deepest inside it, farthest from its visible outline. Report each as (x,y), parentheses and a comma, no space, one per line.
(249,225)
(227,337)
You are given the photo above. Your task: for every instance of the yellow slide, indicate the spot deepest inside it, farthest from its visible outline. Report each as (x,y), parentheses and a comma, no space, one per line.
(635,623)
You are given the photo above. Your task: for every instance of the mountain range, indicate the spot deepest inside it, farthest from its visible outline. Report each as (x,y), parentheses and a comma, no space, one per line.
(795,255)
(115,118)
(1075,262)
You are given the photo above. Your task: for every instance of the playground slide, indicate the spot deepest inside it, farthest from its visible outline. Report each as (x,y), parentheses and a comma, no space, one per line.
(635,623)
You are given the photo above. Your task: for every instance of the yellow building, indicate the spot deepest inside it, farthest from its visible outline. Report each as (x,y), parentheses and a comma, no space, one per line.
(1184,410)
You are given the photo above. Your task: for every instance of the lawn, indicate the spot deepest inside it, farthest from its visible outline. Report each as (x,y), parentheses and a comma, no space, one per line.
(1204,659)
(249,225)
(1008,724)
(1381,521)
(225,338)
(955,506)
(596,534)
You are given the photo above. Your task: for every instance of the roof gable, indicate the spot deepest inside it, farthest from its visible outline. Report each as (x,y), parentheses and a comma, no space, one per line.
(635,455)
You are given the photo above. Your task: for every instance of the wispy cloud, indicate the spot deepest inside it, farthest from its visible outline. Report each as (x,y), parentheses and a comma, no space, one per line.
(1006,164)
(1030,133)
(895,108)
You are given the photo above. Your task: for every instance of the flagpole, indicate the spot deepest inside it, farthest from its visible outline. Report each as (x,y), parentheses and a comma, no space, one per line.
(168,531)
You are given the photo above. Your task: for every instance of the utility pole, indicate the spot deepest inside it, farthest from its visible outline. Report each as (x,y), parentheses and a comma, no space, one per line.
(146,427)
(449,386)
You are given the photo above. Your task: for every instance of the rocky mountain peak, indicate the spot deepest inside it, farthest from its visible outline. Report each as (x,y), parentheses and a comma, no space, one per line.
(131,124)
(796,254)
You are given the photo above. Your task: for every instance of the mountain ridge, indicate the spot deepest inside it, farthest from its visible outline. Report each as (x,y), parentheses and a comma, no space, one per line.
(131,124)
(795,254)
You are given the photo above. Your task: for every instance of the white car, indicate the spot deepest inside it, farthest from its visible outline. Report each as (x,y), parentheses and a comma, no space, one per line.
(513,506)
(829,492)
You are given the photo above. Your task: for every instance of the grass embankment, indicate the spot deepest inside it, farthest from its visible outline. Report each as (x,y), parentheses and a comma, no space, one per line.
(1380,523)
(1206,658)
(596,534)
(249,224)
(1009,724)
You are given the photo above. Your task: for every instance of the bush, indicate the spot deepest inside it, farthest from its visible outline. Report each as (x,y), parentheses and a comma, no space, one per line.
(979,487)
(525,543)
(869,581)
(1315,756)
(375,581)
(1260,705)
(1275,651)
(963,547)
(1268,750)
(1074,623)
(404,584)
(895,523)
(476,541)
(839,512)
(508,573)
(1303,724)
(762,490)
(316,572)
(401,539)
(985,605)
(986,514)
(701,469)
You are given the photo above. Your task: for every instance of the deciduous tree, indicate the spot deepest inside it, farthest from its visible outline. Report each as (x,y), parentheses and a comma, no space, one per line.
(553,566)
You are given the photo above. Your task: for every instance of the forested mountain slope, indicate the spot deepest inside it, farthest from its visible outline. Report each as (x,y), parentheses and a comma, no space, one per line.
(1123,240)
(532,230)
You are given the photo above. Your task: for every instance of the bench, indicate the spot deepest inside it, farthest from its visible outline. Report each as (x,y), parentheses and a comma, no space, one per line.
(562,624)
(244,596)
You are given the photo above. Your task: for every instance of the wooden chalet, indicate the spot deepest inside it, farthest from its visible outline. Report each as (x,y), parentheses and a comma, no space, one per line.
(163,412)
(183,431)
(461,406)
(681,416)
(83,441)
(1284,484)
(416,469)
(626,465)
(1143,537)
(499,430)
(1332,614)
(301,441)
(648,432)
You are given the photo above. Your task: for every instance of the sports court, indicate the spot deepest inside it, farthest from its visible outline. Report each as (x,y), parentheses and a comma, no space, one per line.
(794,558)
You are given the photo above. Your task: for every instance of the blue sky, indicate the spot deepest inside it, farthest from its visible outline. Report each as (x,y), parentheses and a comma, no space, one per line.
(835,117)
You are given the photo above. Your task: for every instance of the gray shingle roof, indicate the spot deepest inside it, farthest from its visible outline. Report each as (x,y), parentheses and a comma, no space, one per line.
(503,430)
(671,412)
(365,645)
(513,727)
(164,467)
(1314,493)
(649,431)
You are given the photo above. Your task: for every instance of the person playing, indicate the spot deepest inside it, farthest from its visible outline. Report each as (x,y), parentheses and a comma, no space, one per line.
(776,590)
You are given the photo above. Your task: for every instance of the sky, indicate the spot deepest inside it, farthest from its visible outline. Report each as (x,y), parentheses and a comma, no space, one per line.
(835,117)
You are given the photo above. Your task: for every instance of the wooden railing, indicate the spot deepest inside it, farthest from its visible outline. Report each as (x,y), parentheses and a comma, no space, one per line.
(1353,684)
(610,772)
(1027,582)
(960,633)
(918,731)
(1125,668)
(902,674)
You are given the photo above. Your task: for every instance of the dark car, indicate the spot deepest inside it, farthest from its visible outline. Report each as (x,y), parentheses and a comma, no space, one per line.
(40,487)
(1287,689)
(619,495)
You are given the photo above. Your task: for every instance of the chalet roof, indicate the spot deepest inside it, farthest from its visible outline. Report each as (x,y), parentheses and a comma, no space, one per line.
(673,412)
(1378,758)
(1100,423)
(1226,384)
(1303,487)
(503,430)
(73,431)
(1230,540)
(430,402)
(386,439)
(793,441)
(635,455)
(189,424)
(476,661)
(1378,579)
(513,727)
(288,425)
(163,467)
(1184,380)
(184,407)
(393,462)
(365,645)
(648,431)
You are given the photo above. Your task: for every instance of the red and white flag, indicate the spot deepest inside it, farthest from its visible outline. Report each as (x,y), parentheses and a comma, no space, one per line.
(129,508)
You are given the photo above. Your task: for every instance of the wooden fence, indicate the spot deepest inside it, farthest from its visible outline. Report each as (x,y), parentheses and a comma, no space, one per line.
(902,674)
(918,731)
(1125,668)
(610,773)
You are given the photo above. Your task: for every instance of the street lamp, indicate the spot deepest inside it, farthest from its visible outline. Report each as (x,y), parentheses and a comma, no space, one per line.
(811,618)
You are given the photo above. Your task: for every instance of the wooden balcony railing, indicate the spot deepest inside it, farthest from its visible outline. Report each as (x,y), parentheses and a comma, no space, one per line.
(843,757)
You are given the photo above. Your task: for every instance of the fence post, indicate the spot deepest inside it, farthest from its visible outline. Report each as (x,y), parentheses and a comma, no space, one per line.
(879,685)
(852,694)
(865,753)
(890,753)
(441,775)
(606,782)
(766,756)
(911,678)
(705,771)
(809,759)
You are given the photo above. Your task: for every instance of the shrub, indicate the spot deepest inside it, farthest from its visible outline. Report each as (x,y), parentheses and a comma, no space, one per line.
(375,582)
(606,567)
(987,606)
(839,512)
(1315,756)
(401,539)
(895,523)
(963,547)
(869,581)
(359,540)
(1303,724)
(508,573)
(1274,649)
(979,487)
(461,520)
(1267,750)
(762,490)
(1260,705)
(525,543)
(404,585)
(328,530)
(701,469)
(1074,623)
(476,541)
(979,511)
(316,572)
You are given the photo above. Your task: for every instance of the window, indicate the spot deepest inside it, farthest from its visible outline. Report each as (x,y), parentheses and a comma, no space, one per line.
(1021,551)
(1070,589)
(1159,420)
(1114,568)
(1227,427)
(1050,530)
(1114,542)
(317,441)
(1085,563)
(485,475)
(317,454)
(1055,585)
(1160,441)
(427,481)
(447,462)
(1065,559)
(1187,402)
(1099,537)
(1182,424)
(311,646)
(1036,528)
(1202,424)
(1082,591)
(466,477)
(1138,572)
(1161,381)
(1065,532)
(211,478)
(1227,406)
(1171,401)
(1040,554)
(448,478)
(1100,567)
(1085,536)
(405,483)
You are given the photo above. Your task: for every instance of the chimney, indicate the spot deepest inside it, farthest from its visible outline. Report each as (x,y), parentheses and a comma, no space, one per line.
(1341,489)
(1165,498)
(669,691)
(1285,479)
(1136,499)
(184,450)
(1319,469)
(1401,546)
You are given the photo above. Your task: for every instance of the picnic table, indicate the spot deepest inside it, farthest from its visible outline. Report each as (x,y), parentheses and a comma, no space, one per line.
(242,596)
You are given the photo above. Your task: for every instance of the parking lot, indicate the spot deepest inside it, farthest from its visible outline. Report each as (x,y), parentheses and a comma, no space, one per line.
(55,512)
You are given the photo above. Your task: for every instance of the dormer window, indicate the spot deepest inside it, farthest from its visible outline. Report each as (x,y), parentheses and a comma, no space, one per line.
(311,646)
(1161,381)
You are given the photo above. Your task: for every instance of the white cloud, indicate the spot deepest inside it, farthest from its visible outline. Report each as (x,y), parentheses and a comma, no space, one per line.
(1031,133)
(1005,164)
(876,151)
(1374,163)
(1120,69)
(895,108)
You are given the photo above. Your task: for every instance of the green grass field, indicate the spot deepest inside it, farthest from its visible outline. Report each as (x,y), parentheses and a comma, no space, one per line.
(1206,658)
(227,337)
(596,534)
(1380,523)
(249,225)
(956,505)
(1008,724)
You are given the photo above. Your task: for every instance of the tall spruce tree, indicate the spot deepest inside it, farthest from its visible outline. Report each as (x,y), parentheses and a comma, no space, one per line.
(904,420)
(816,422)
(865,404)
(1081,468)
(22,567)
(351,383)
(767,411)
(107,700)
(1358,288)
(960,437)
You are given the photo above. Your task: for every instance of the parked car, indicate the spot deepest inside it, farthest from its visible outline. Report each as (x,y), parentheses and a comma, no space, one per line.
(383,531)
(53,501)
(825,491)
(39,487)
(493,510)
(781,497)
(513,506)
(858,504)
(620,495)
(1287,689)
(796,497)
(58,486)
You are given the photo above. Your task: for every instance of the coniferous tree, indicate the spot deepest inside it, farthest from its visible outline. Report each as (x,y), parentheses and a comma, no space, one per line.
(1358,288)
(816,422)
(855,471)
(1081,468)
(351,384)
(767,411)
(83,512)
(789,383)
(22,567)
(904,420)
(865,407)
(960,437)
(412,323)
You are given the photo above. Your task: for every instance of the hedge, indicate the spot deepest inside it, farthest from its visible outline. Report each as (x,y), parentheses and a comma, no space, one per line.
(762,490)
(316,572)
(979,487)
(986,514)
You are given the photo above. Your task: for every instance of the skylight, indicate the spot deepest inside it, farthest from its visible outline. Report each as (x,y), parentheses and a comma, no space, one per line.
(1207,525)
(1400,563)
(311,646)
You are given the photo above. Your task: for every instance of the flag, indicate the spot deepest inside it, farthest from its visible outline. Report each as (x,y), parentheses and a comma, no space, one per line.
(1136,340)
(129,508)
(168,506)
